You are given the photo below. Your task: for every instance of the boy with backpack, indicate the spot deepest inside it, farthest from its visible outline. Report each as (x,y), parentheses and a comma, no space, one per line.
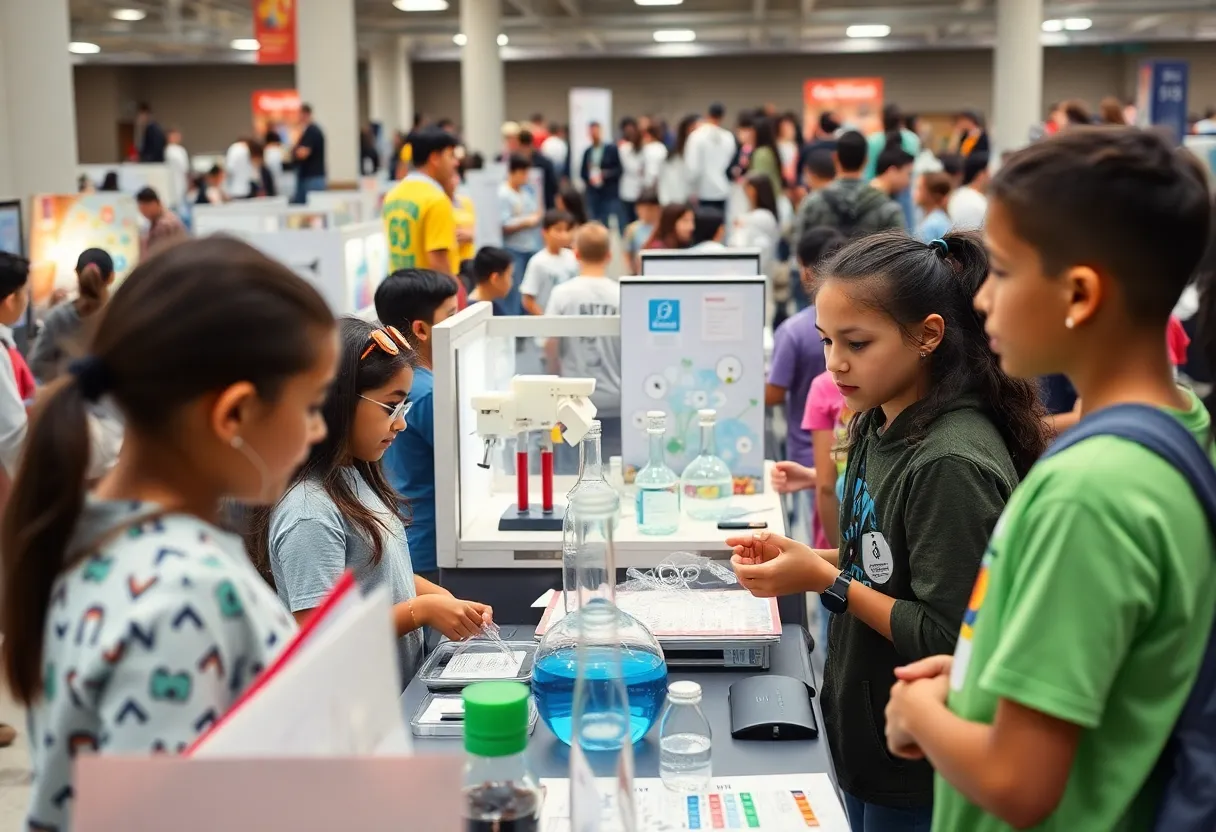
(849,204)
(1088,629)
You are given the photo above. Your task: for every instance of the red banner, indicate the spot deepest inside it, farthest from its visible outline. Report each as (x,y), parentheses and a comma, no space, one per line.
(856,102)
(274,25)
(277,110)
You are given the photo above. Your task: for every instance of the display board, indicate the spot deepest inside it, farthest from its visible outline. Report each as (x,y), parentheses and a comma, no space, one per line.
(1161,96)
(12,239)
(65,225)
(856,103)
(693,342)
(481,187)
(727,262)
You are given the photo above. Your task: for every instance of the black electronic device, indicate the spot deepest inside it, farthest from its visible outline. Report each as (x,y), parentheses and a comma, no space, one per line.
(772,707)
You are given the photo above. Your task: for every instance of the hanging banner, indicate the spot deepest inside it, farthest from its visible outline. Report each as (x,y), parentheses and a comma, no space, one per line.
(277,110)
(1161,96)
(274,26)
(856,103)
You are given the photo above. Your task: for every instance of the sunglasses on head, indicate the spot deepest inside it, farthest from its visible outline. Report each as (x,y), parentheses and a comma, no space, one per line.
(389,339)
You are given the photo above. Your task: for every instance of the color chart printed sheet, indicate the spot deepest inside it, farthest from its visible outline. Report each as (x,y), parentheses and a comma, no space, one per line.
(794,803)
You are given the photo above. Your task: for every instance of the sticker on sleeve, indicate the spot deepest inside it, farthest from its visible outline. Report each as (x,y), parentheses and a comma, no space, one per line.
(876,557)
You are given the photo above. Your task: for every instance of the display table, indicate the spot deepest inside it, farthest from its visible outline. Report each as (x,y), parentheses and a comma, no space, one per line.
(535,557)
(550,757)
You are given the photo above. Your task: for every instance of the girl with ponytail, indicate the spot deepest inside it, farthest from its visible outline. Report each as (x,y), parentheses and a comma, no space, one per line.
(941,438)
(64,334)
(132,622)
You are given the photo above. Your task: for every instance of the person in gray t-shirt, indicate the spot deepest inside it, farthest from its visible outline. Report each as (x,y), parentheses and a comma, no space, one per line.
(341,513)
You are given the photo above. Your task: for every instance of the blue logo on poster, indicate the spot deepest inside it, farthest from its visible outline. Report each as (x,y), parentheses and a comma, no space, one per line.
(664,315)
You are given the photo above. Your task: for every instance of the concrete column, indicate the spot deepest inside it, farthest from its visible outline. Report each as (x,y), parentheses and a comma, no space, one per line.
(327,78)
(482,90)
(390,89)
(37,100)
(1017,93)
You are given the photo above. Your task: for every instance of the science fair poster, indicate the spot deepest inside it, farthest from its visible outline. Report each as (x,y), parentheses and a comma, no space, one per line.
(65,225)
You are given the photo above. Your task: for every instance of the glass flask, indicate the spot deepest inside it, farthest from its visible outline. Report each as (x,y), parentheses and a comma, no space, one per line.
(685,740)
(613,648)
(657,507)
(707,483)
(500,791)
(590,478)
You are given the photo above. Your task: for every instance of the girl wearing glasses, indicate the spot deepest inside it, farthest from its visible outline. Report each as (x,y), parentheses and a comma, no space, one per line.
(340,512)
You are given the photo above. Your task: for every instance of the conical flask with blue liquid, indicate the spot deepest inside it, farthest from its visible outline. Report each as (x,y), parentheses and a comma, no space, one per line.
(622,667)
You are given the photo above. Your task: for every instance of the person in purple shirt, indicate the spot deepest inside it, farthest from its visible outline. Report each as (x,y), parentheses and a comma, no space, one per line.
(798,350)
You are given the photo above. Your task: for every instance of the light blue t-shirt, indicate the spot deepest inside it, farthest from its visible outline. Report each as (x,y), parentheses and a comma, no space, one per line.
(409,465)
(516,204)
(875,142)
(934,226)
(150,638)
(312,544)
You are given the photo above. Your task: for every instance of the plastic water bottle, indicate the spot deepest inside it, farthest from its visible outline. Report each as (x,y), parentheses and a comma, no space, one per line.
(658,499)
(685,741)
(500,790)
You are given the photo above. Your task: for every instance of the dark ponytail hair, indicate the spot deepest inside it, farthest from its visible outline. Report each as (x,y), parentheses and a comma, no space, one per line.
(94,271)
(909,280)
(194,318)
(328,458)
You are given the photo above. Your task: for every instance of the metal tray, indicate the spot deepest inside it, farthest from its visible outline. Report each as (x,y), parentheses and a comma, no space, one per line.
(436,674)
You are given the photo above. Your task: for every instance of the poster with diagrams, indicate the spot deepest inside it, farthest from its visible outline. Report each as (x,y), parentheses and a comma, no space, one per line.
(687,344)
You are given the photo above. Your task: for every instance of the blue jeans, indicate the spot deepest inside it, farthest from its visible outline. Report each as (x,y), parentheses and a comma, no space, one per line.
(601,207)
(870,817)
(513,303)
(306,184)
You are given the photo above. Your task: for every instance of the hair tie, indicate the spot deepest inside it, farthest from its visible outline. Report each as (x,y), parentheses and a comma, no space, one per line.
(91,376)
(941,247)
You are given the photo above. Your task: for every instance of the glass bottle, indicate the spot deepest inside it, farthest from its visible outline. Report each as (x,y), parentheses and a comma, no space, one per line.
(590,478)
(707,482)
(657,506)
(613,649)
(685,740)
(500,791)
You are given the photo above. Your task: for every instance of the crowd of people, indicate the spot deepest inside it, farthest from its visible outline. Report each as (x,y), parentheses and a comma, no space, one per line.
(963,564)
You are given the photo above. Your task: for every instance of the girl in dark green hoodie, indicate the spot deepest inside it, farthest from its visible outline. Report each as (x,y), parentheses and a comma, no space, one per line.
(941,438)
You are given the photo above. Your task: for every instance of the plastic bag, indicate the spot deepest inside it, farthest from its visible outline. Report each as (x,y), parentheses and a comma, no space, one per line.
(678,572)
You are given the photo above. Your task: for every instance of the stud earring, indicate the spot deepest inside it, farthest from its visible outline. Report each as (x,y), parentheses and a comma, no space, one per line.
(923,355)
(1069,323)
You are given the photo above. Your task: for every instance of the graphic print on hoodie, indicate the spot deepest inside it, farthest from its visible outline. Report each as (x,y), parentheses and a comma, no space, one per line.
(914,527)
(149,639)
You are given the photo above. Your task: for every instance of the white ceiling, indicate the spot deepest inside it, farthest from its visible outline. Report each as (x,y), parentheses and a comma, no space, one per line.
(201,30)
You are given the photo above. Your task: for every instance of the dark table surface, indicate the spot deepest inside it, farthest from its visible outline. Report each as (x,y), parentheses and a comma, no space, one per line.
(732,758)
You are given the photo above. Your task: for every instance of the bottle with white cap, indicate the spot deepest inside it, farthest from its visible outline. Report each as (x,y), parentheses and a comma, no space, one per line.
(685,740)
(657,507)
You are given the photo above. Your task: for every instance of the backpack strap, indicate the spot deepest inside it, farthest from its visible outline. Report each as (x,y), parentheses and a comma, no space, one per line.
(1187,766)
(1158,432)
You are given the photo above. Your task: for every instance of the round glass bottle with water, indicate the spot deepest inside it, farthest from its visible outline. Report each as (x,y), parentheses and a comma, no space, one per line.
(621,664)
(707,483)
(591,479)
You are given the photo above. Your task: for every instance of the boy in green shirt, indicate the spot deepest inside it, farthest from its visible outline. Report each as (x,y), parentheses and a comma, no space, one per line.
(1092,609)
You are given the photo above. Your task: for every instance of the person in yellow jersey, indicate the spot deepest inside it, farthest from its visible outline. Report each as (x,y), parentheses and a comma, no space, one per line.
(419,218)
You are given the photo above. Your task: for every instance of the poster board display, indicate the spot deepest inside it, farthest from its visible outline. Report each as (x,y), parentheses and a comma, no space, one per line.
(64,225)
(731,262)
(1162,90)
(688,343)
(12,236)
(481,187)
(277,110)
(856,102)
(588,105)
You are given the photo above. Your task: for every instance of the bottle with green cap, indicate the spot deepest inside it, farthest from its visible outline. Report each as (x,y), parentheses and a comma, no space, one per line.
(501,794)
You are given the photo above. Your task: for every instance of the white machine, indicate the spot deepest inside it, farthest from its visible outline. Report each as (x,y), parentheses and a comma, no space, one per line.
(535,403)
